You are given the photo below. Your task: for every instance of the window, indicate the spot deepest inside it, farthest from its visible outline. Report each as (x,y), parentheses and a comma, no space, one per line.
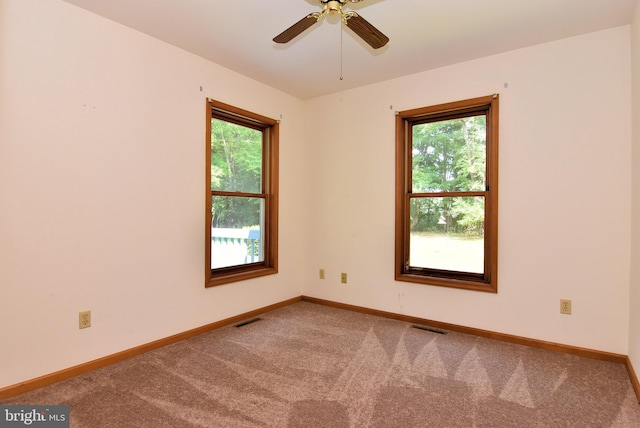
(447,195)
(241,225)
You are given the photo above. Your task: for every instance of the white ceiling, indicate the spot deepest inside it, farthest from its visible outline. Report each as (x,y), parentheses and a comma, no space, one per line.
(425,34)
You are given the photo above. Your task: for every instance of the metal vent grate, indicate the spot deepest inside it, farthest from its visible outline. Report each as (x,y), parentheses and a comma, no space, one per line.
(243,323)
(432,330)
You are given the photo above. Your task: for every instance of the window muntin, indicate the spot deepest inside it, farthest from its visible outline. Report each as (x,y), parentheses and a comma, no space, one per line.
(446,194)
(241,218)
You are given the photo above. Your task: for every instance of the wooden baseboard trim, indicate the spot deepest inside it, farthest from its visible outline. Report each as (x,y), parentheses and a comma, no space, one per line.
(30,385)
(550,346)
(634,378)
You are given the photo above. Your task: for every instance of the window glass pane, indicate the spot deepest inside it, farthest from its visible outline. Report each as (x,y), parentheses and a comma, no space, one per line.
(449,155)
(237,226)
(447,233)
(236,158)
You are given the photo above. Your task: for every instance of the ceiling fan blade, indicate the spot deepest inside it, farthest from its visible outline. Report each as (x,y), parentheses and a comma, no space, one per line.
(297,28)
(366,31)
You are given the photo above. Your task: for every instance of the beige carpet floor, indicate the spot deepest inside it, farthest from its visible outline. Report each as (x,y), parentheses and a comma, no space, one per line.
(307,365)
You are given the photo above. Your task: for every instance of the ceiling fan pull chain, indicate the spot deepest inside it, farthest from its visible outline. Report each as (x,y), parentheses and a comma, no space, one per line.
(341,31)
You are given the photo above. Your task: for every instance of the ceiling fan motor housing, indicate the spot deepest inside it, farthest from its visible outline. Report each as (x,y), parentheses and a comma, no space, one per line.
(333,6)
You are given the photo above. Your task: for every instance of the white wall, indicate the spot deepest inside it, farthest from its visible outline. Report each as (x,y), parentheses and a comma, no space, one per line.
(102,144)
(564,192)
(634,319)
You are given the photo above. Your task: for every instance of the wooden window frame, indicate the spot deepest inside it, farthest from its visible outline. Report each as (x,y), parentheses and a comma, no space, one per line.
(270,143)
(488,281)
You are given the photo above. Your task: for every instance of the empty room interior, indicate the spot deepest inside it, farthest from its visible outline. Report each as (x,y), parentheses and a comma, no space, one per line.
(105,206)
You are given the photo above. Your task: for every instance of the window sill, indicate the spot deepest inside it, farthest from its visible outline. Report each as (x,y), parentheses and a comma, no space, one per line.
(448,282)
(226,278)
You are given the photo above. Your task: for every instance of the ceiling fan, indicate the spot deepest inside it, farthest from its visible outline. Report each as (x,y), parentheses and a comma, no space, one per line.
(355,22)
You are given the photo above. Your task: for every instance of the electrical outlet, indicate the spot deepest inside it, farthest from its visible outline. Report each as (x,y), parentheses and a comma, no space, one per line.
(321,273)
(343,278)
(565,306)
(84,319)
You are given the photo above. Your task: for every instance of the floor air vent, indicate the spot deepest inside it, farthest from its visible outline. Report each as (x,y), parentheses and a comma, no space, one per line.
(251,321)
(432,330)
